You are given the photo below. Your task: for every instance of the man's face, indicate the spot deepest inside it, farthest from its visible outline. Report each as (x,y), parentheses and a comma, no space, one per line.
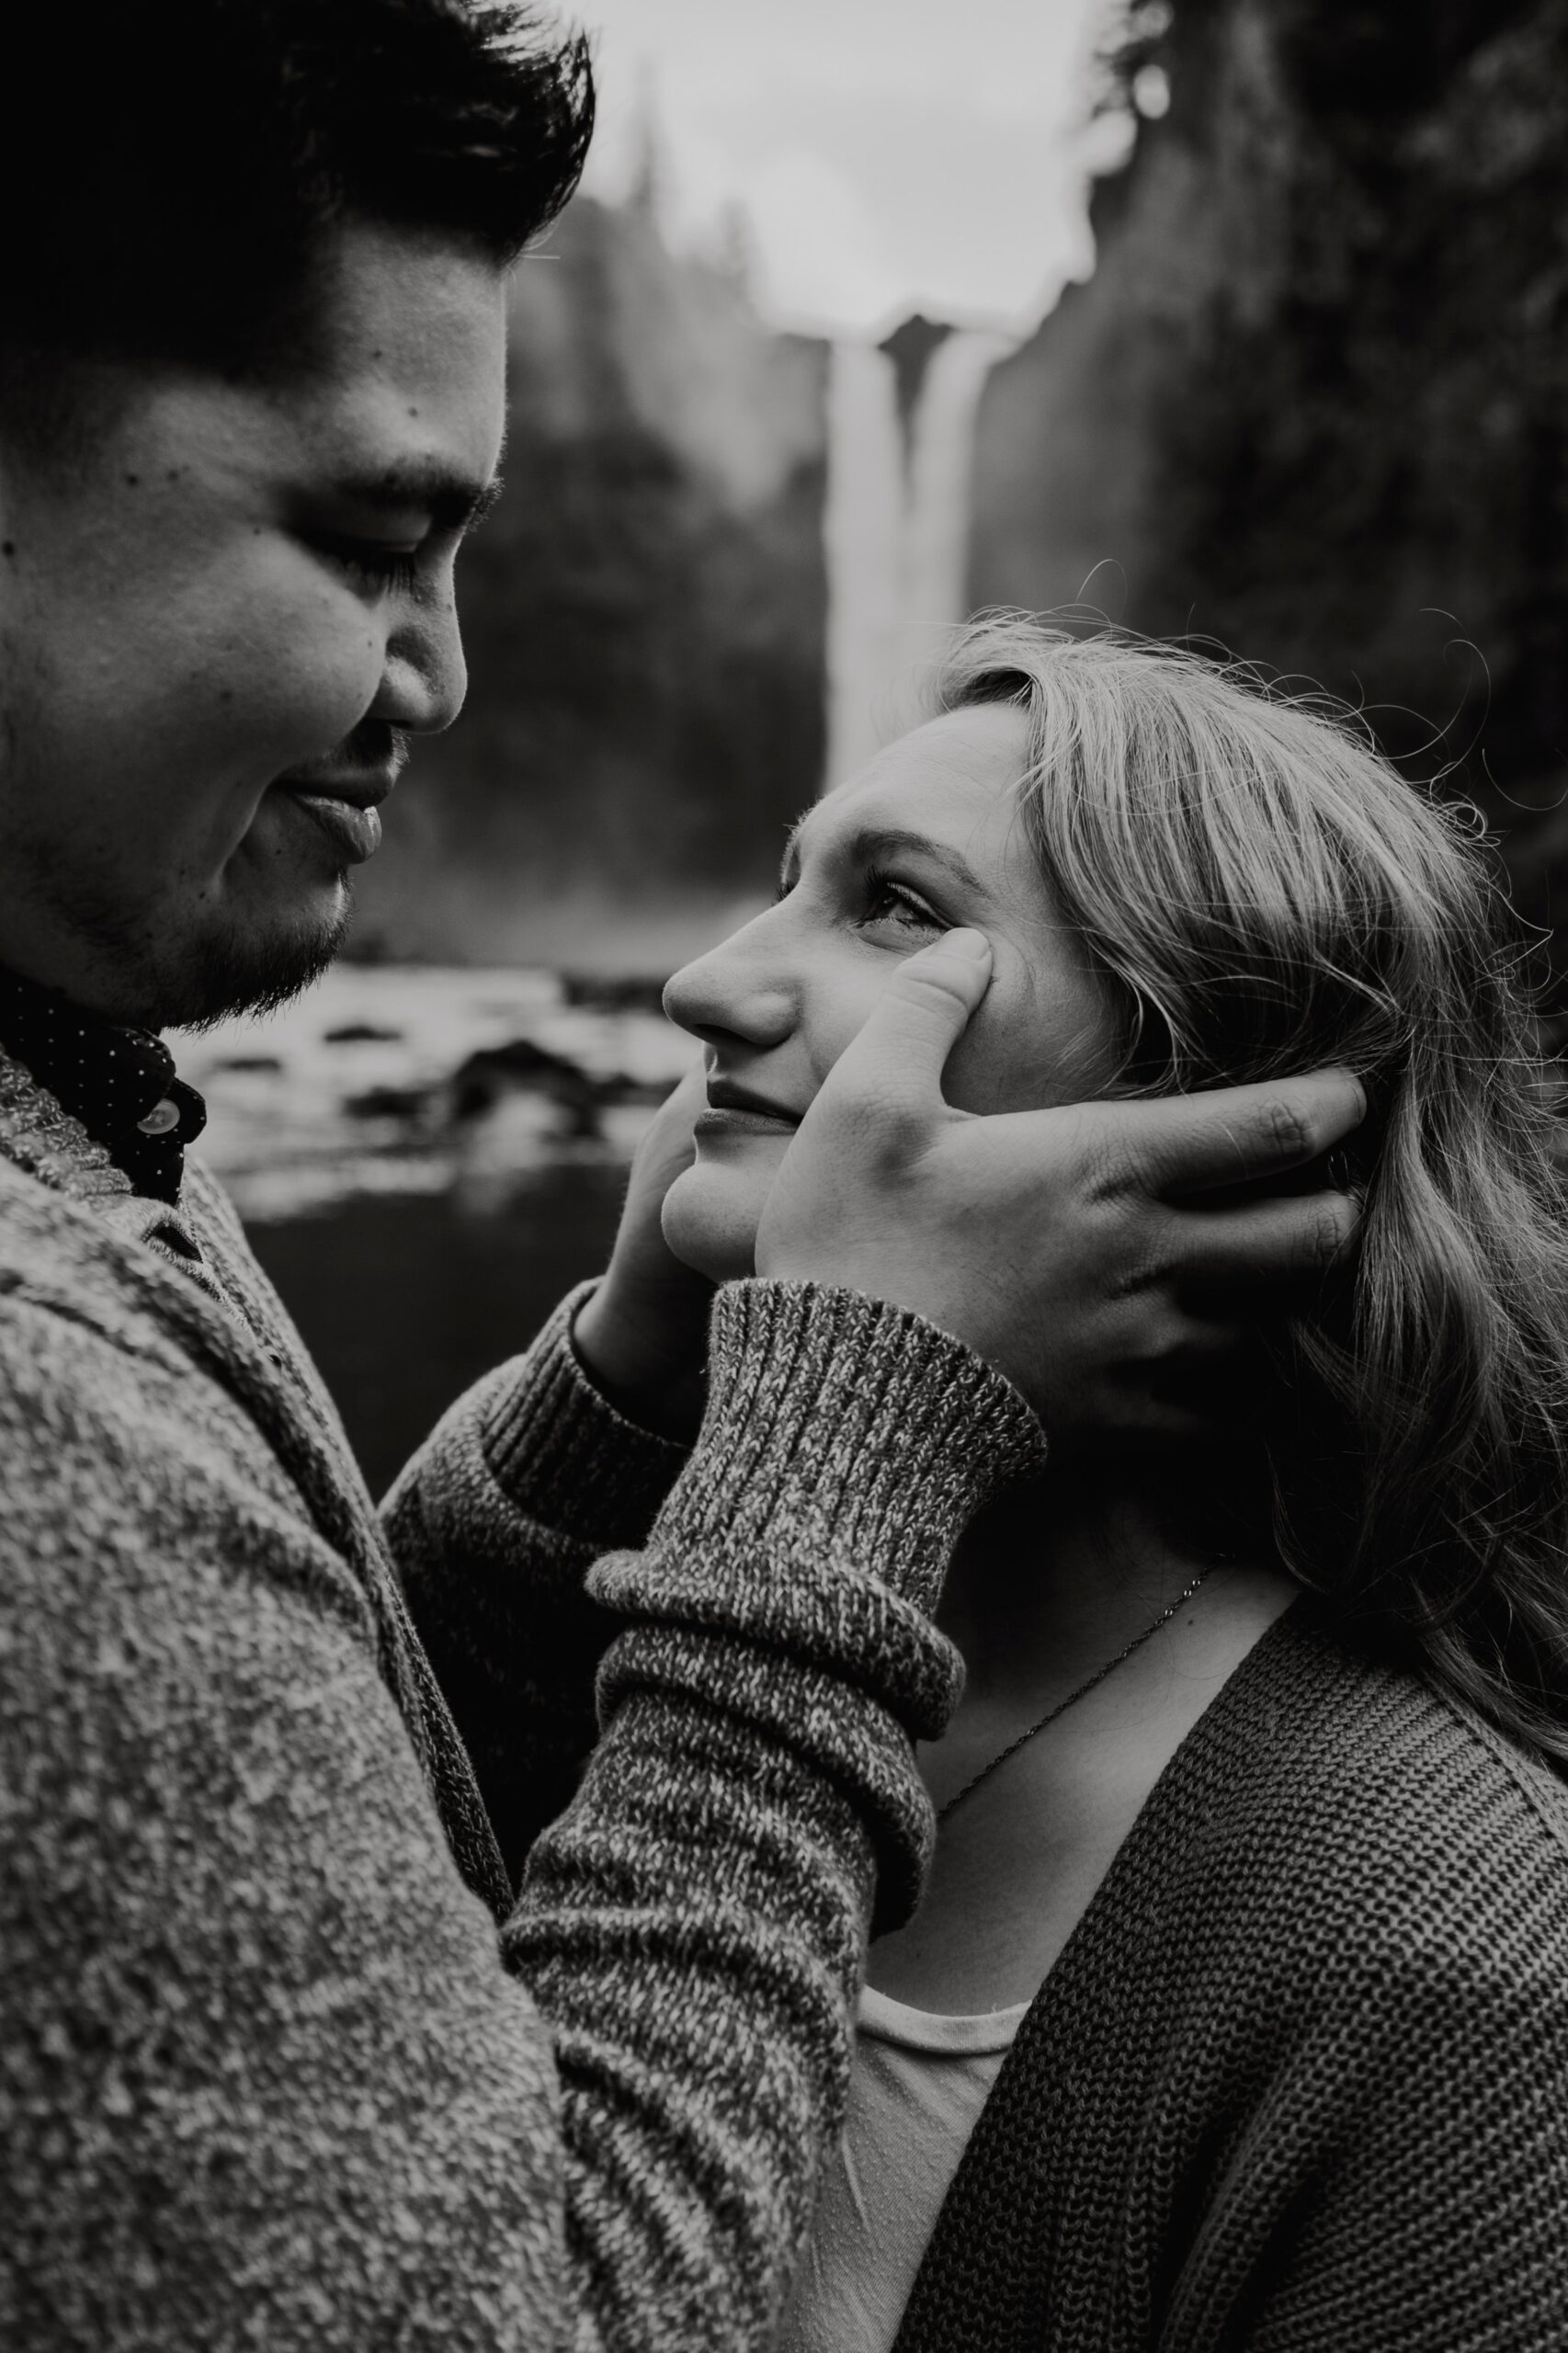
(214,637)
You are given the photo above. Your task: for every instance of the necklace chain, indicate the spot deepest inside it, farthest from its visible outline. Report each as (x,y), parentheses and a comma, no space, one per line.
(1062,1705)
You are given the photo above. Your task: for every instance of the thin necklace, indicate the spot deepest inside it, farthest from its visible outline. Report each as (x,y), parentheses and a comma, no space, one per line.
(1062,1705)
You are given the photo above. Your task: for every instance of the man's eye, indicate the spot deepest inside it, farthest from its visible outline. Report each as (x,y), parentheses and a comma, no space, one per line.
(374,566)
(890,902)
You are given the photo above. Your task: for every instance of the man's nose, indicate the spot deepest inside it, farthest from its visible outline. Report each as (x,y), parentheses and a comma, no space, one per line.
(425,678)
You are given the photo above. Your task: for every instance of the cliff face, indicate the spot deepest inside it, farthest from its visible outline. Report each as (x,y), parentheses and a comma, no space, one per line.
(1314,399)
(644,619)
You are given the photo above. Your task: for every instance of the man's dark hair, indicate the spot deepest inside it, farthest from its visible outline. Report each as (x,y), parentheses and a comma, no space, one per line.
(170,169)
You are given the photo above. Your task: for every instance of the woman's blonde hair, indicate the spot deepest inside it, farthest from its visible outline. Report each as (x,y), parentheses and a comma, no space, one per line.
(1263,893)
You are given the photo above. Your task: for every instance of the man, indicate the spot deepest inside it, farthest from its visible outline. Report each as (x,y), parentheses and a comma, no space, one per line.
(297,2051)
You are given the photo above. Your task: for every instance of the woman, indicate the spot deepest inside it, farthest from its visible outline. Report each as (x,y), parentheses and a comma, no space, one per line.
(1236,2011)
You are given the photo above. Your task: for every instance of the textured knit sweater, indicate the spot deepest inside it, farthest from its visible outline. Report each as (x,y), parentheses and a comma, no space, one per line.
(1298,2082)
(306,2042)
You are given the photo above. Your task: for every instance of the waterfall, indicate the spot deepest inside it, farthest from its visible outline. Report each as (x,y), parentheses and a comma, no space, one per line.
(897,529)
(863,530)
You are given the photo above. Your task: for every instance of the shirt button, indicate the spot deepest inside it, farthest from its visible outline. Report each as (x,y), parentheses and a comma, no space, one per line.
(160,1119)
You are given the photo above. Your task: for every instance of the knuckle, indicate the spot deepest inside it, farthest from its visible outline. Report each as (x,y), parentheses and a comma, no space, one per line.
(1327,1235)
(1138,1281)
(1165,1340)
(1284,1129)
(878,1130)
(1112,1175)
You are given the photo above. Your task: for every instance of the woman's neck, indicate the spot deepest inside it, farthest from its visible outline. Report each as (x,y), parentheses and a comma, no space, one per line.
(1055,1579)
(1047,1588)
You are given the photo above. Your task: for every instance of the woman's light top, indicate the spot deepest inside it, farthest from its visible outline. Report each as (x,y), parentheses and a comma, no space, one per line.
(917,2086)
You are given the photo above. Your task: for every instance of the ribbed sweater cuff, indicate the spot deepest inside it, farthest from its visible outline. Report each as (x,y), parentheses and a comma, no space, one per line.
(559,1450)
(845,1446)
(847,1429)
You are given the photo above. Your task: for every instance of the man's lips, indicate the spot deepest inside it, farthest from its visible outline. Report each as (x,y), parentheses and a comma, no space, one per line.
(361,788)
(342,808)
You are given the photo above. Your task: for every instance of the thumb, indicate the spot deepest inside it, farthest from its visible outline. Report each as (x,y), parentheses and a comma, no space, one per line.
(899,1055)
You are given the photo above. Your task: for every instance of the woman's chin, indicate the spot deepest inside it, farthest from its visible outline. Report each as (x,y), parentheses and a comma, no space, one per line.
(710,1222)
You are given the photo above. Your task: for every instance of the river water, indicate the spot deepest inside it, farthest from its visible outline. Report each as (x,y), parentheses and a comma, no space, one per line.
(420,1228)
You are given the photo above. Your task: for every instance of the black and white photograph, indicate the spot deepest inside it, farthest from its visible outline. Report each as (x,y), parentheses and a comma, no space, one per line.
(784,1176)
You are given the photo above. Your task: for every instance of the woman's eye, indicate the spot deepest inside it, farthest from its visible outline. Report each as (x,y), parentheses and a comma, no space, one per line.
(890,902)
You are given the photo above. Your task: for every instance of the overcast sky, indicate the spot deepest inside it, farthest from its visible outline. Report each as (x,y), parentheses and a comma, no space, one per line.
(891,154)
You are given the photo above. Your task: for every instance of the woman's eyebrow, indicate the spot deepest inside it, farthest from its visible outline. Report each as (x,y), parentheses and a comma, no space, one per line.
(870,843)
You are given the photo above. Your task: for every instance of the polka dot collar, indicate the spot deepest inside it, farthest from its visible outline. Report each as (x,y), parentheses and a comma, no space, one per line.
(118,1081)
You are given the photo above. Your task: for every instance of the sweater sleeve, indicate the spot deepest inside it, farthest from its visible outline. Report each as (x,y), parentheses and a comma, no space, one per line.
(268,2074)
(493,1527)
(694,1926)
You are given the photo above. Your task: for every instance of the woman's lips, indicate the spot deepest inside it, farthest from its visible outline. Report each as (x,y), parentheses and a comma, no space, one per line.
(728,1120)
(734,1110)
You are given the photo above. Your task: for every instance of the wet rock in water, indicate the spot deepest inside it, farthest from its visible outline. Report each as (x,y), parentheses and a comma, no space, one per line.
(249,1062)
(612,993)
(361,1033)
(387,1103)
(521,1067)
(621,1088)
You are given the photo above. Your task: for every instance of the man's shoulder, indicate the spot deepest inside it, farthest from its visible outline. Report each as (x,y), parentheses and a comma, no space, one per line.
(118,1404)
(145,1510)
(126,1268)
(68,1281)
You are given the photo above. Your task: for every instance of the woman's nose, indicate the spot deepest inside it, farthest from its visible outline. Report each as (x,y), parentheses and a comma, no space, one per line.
(729,994)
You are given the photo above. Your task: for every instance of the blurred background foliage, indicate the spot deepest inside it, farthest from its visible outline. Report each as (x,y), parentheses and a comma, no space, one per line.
(1314,399)
(1313,403)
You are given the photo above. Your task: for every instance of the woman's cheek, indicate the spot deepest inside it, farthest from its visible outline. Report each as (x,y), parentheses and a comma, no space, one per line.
(838,1009)
(987,1070)
(1028,1048)
(712,1211)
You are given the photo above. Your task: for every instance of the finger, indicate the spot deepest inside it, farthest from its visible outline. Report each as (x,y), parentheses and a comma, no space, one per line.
(1288,1239)
(898,1056)
(1326,1171)
(1179,1144)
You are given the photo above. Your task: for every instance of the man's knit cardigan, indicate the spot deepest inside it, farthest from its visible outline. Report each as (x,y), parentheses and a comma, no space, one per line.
(283,2062)
(273,2075)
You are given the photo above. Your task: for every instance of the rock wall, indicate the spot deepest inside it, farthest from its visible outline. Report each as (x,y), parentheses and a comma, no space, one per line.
(1314,399)
(644,619)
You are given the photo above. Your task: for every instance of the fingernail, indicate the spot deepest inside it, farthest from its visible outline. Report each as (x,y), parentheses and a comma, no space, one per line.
(965,942)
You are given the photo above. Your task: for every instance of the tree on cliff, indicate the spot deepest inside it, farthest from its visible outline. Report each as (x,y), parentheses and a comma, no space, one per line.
(1314,401)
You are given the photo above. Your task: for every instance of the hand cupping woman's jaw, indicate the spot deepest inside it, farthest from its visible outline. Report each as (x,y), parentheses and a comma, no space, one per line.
(926,840)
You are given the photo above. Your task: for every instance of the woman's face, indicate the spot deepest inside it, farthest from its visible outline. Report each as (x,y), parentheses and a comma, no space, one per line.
(930,837)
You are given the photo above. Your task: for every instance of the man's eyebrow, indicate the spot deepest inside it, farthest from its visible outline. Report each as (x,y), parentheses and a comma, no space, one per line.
(454,502)
(872,842)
